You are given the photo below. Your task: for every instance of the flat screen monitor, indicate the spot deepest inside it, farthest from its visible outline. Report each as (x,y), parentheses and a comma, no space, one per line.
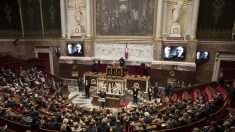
(202,56)
(174,52)
(75,49)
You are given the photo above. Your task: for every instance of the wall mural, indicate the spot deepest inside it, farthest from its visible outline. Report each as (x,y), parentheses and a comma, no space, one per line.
(31,18)
(216,19)
(124,17)
(51,17)
(31,11)
(10,19)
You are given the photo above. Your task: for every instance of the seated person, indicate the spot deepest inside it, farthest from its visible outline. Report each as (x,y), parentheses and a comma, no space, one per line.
(3,82)
(147,119)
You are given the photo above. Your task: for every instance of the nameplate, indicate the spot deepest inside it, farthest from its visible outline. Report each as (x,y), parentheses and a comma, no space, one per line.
(101,99)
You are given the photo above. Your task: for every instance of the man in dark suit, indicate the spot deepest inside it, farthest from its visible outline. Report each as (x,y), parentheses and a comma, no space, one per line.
(103,127)
(135,95)
(150,93)
(53,124)
(122,62)
(221,79)
(102,95)
(155,90)
(91,128)
(167,89)
(94,67)
(87,89)
(118,127)
(80,84)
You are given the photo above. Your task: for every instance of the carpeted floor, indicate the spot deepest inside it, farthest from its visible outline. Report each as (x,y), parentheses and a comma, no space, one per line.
(79,98)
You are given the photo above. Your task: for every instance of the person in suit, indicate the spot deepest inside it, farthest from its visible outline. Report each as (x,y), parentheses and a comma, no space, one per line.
(221,79)
(167,89)
(118,127)
(147,119)
(204,55)
(167,52)
(179,51)
(135,94)
(87,89)
(103,95)
(155,90)
(58,51)
(78,48)
(103,127)
(80,84)
(53,124)
(232,95)
(94,66)
(91,128)
(122,62)
(150,93)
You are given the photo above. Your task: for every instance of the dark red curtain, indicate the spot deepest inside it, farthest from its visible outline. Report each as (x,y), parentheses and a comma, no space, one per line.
(228,69)
(44,61)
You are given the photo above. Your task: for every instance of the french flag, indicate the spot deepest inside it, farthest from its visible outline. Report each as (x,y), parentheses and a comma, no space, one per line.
(126,52)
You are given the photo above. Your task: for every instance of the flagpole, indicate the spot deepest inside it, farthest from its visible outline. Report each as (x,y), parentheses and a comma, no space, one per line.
(126,52)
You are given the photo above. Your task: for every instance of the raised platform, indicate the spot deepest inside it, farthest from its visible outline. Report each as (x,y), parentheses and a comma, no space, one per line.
(129,81)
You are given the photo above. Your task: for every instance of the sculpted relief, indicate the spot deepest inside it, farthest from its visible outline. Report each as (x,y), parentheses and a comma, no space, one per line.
(115,50)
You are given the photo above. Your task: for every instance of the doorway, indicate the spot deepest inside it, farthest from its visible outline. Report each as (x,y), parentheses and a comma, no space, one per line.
(45,57)
(224,62)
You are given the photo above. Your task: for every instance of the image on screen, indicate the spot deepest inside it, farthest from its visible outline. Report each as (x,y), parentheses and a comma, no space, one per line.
(202,55)
(75,49)
(174,52)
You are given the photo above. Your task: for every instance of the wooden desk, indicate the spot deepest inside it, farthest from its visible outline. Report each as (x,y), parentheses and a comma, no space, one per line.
(112,102)
(2,97)
(92,77)
(142,82)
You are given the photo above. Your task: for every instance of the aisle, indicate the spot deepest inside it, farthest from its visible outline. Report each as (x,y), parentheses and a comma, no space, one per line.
(79,98)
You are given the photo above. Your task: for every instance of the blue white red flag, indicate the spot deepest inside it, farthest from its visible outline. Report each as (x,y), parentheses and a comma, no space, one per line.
(126,52)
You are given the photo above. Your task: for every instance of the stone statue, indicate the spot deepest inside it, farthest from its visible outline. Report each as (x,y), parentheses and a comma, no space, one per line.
(176,13)
(177,10)
(77,26)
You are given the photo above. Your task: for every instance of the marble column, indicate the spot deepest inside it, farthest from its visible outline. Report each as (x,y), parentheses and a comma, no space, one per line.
(159,18)
(196,4)
(157,52)
(62,17)
(88,18)
(67,28)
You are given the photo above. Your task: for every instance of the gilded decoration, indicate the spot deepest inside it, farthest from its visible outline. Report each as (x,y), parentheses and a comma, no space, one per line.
(124,17)
(30,12)
(52,14)
(218,5)
(233,33)
(7,11)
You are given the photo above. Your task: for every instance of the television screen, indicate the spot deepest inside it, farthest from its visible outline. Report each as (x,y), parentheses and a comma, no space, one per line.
(174,52)
(202,55)
(75,49)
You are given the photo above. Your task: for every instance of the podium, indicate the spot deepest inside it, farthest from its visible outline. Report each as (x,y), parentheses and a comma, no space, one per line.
(113,84)
(110,101)
(115,71)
